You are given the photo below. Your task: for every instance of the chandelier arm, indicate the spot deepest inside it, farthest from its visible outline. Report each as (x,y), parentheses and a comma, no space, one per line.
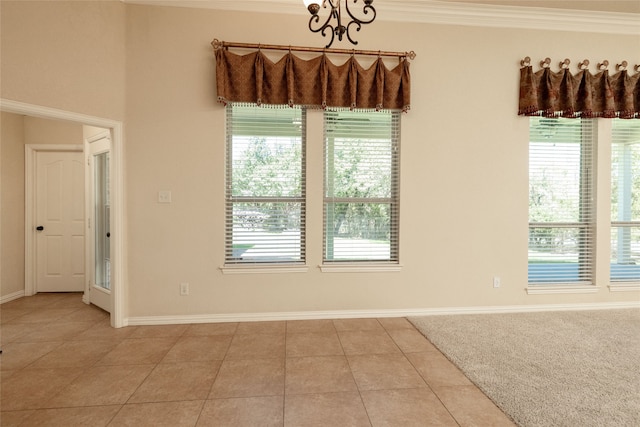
(316,18)
(322,29)
(339,29)
(365,9)
(333,34)
(349,29)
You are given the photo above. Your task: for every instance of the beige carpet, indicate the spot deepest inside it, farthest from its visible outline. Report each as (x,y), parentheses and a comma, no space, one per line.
(573,369)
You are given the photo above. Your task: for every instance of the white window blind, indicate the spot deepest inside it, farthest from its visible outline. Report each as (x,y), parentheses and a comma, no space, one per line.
(265,185)
(361,186)
(625,201)
(561,200)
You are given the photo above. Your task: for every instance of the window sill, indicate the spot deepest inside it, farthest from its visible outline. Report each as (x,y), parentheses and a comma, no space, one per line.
(360,268)
(562,289)
(264,269)
(624,287)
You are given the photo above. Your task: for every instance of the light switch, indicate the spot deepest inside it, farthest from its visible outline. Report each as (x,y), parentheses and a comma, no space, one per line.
(164,196)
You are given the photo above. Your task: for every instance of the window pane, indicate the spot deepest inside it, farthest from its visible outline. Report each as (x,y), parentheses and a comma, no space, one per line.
(361,186)
(265,184)
(266,232)
(625,171)
(561,198)
(559,170)
(625,200)
(559,254)
(266,166)
(625,253)
(358,231)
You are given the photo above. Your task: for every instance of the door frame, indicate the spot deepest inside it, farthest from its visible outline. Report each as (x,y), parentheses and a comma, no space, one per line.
(30,182)
(118,228)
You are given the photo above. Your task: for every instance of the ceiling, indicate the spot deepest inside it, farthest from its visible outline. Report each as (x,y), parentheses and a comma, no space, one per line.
(616,6)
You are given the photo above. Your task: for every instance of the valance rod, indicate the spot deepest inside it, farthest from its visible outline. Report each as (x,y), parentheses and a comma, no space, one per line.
(217,44)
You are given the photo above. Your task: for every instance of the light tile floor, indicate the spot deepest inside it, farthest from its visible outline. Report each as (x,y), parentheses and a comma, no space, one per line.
(63,365)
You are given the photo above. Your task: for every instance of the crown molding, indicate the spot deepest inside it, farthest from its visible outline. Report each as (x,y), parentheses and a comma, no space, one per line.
(484,15)
(447,13)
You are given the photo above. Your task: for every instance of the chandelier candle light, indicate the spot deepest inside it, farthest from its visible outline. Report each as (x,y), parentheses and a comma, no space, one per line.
(337,28)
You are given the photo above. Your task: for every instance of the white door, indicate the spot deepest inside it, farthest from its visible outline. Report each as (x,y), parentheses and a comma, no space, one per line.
(59,221)
(99,214)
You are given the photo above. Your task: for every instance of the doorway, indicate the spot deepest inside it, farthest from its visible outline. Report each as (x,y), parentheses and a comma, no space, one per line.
(54,177)
(117,273)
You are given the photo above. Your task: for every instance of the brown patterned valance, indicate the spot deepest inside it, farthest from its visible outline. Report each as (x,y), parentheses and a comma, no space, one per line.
(316,82)
(561,94)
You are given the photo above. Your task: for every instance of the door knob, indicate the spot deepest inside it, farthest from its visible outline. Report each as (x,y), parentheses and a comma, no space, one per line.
(108,234)
(39,228)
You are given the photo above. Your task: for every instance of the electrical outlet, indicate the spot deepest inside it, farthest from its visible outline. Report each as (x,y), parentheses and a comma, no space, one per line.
(184,289)
(164,196)
(496,281)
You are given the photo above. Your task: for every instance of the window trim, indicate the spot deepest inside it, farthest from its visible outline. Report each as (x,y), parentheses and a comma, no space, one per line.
(624,287)
(562,288)
(365,265)
(263,268)
(267,266)
(626,219)
(588,172)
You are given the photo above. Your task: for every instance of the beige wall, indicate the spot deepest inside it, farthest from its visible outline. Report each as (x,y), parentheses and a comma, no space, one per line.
(12,204)
(464,164)
(64,54)
(45,131)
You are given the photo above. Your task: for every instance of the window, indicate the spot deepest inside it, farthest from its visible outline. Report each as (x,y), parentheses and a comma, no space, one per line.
(561,201)
(361,186)
(625,201)
(265,185)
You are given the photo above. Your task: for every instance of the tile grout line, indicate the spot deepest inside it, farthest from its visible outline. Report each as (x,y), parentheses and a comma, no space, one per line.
(431,388)
(206,399)
(354,379)
(284,376)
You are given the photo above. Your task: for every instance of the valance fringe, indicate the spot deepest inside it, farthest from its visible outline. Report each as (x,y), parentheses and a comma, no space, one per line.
(317,82)
(562,94)
(308,107)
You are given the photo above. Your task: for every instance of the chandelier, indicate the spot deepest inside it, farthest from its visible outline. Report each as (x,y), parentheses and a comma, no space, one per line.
(337,28)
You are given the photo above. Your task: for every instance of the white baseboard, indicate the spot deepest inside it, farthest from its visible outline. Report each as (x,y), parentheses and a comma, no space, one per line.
(11,297)
(361,314)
